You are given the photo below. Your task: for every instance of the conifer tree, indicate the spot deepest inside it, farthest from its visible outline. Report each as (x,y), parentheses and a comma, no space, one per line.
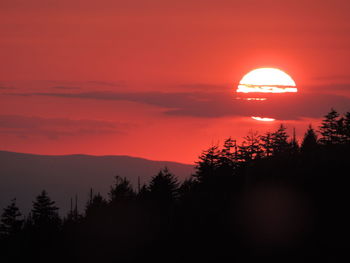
(294,145)
(209,162)
(310,141)
(228,157)
(347,127)
(330,129)
(251,147)
(44,212)
(280,141)
(267,144)
(10,220)
(121,190)
(164,187)
(95,204)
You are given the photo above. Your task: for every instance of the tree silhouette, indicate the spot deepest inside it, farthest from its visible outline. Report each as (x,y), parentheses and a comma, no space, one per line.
(10,223)
(310,141)
(209,162)
(330,129)
(238,196)
(344,128)
(294,145)
(95,204)
(121,190)
(267,143)
(164,187)
(279,140)
(251,147)
(44,212)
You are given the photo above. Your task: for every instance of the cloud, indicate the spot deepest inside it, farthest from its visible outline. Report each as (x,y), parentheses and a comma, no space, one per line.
(334,78)
(330,87)
(107,83)
(204,104)
(53,128)
(6,88)
(201,87)
(60,84)
(65,87)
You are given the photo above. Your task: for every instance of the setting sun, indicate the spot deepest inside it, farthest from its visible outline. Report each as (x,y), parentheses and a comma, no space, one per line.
(267,80)
(262,119)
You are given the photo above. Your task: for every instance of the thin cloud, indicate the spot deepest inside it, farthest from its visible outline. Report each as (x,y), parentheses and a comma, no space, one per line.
(6,88)
(107,83)
(89,83)
(65,88)
(331,87)
(53,128)
(221,104)
(334,78)
(201,87)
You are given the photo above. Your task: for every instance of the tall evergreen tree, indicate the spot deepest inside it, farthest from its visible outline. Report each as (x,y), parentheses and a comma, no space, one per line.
(267,143)
(310,141)
(44,212)
(280,141)
(95,204)
(10,223)
(330,129)
(228,151)
(347,127)
(164,187)
(294,145)
(121,190)
(209,162)
(228,157)
(251,147)
(73,215)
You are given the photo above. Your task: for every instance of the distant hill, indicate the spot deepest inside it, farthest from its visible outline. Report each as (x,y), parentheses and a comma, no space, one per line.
(23,176)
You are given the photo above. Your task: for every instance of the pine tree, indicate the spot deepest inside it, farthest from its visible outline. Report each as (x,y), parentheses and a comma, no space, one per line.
(164,187)
(329,128)
(44,212)
(10,222)
(346,130)
(267,143)
(121,190)
(280,141)
(73,215)
(95,204)
(310,141)
(228,157)
(251,147)
(209,162)
(294,145)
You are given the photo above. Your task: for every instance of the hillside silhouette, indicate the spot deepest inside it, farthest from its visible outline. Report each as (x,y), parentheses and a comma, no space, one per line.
(270,198)
(65,176)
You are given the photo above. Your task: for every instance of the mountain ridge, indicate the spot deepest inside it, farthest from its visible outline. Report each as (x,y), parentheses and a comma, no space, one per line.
(24,175)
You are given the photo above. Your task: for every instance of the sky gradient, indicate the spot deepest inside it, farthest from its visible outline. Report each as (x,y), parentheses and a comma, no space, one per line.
(157,79)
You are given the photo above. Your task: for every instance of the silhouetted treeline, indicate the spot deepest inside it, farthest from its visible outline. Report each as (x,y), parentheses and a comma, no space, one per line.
(269,198)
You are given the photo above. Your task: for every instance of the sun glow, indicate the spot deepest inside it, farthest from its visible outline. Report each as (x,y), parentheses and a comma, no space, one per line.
(262,119)
(267,80)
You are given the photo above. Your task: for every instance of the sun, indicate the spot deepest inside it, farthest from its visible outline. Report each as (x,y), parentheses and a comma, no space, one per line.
(266,80)
(262,119)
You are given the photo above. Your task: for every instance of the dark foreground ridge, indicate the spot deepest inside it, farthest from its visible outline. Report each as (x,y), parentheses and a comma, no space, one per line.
(269,199)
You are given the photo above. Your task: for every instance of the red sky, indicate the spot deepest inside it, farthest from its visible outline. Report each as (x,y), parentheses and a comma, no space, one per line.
(156,78)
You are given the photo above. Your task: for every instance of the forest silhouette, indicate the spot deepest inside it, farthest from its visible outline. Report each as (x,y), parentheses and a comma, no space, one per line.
(268,198)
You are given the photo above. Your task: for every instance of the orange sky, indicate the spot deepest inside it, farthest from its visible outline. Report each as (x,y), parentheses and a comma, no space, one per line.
(155,78)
